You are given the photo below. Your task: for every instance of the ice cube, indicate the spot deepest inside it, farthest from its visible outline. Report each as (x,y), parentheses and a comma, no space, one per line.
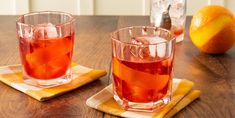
(151,49)
(139,41)
(161,50)
(44,31)
(51,31)
(177,10)
(155,39)
(147,40)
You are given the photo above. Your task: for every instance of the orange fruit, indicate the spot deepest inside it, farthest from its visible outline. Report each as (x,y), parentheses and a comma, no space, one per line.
(212,29)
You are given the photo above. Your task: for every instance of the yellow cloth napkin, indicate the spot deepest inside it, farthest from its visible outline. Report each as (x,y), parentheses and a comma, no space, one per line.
(12,76)
(182,96)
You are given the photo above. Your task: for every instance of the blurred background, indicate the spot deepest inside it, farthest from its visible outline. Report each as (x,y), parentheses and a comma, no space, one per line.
(98,7)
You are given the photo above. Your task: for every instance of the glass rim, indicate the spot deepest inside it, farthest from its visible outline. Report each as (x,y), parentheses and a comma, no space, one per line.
(72,18)
(131,27)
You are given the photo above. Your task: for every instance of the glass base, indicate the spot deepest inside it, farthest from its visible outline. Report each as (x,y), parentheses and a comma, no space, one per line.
(180,38)
(47,83)
(146,107)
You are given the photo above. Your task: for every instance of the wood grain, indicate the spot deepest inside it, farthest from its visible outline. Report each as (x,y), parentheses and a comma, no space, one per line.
(214,75)
(92,49)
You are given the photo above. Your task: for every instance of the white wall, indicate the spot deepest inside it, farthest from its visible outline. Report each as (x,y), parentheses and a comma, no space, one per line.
(230,4)
(98,7)
(126,7)
(71,6)
(7,7)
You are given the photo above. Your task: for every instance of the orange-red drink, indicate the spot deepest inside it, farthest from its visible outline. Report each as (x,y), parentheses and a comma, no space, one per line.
(46,41)
(46,59)
(177,30)
(143,81)
(142,62)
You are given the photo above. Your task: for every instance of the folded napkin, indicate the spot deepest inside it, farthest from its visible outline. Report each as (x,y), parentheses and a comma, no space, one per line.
(182,96)
(12,76)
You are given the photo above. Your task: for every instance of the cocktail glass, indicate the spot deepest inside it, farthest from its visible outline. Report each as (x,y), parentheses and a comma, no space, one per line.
(177,13)
(142,61)
(46,41)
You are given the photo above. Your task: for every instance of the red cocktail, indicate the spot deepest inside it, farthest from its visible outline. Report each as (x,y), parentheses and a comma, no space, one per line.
(41,61)
(144,81)
(177,30)
(46,47)
(142,63)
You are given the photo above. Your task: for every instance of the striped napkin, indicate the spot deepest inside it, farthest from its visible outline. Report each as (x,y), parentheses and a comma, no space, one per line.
(12,76)
(182,96)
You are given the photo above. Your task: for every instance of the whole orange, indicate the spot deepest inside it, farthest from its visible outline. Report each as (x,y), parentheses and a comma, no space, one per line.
(212,29)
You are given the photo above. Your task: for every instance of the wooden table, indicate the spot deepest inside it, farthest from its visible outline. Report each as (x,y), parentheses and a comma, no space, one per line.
(214,75)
